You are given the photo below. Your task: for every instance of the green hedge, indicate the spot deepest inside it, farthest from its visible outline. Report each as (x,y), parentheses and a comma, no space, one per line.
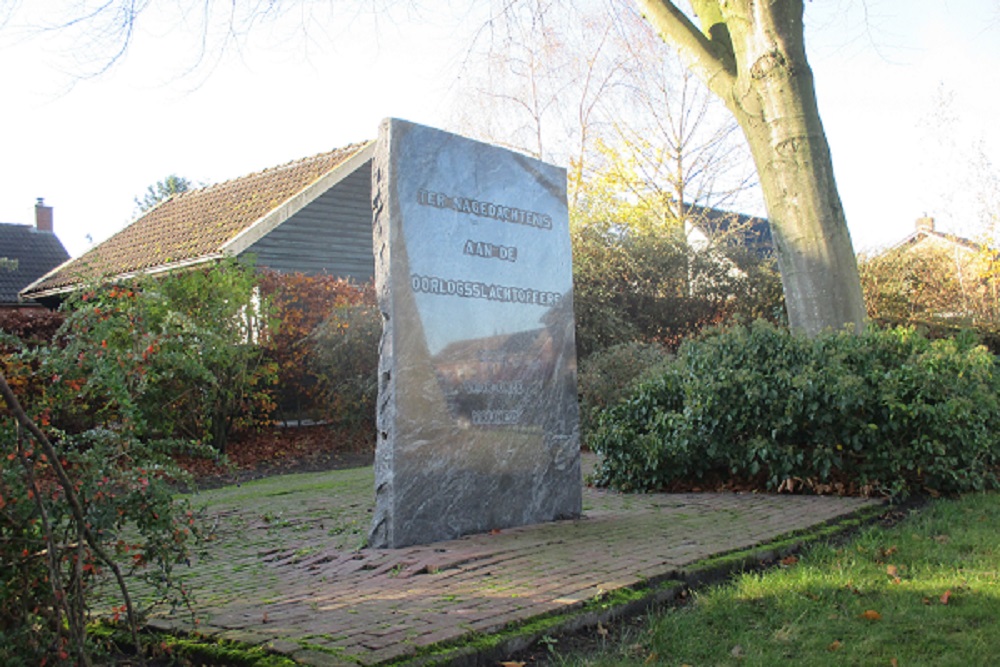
(345,352)
(608,375)
(885,412)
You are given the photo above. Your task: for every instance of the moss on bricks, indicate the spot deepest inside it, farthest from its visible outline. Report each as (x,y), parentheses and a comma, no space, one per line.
(719,567)
(193,648)
(478,648)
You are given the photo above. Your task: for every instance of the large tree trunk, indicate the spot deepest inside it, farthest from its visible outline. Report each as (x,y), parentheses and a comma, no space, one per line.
(751,53)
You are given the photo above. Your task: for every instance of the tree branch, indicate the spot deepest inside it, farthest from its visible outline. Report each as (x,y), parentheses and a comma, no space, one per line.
(51,552)
(74,502)
(711,59)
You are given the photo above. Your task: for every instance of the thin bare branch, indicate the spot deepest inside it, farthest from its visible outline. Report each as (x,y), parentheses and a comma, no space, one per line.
(74,502)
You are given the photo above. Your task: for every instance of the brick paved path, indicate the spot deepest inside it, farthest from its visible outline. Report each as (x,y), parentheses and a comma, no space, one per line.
(284,569)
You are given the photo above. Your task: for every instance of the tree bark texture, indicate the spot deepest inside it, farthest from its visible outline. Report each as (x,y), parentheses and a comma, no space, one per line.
(751,53)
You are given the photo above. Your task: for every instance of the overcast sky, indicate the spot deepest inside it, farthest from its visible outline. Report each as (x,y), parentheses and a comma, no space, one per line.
(296,87)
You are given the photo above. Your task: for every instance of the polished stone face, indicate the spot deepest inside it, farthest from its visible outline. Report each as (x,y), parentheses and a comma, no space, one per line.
(478,424)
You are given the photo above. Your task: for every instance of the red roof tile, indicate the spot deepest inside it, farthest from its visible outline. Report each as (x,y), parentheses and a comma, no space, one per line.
(197,224)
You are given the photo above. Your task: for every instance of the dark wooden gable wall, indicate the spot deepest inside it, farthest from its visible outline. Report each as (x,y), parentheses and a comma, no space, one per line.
(332,234)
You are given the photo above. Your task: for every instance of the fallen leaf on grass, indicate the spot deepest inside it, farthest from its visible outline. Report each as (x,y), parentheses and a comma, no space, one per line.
(652,657)
(871,615)
(511,663)
(894,663)
(893,572)
(636,649)
(835,646)
(945,597)
(784,634)
(788,561)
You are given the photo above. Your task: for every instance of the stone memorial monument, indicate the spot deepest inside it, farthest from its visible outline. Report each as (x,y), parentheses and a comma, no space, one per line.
(477,408)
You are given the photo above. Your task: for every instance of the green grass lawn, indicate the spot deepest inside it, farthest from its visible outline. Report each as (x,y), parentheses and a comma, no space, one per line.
(924,592)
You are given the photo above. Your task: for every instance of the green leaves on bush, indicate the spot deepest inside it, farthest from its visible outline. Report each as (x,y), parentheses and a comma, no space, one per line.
(607,376)
(886,412)
(300,304)
(135,369)
(189,344)
(638,281)
(345,350)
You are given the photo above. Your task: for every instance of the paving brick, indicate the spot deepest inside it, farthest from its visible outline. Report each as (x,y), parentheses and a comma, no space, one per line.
(282,646)
(286,581)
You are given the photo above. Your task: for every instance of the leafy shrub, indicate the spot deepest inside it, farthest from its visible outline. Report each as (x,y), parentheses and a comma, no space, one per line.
(135,371)
(933,285)
(632,285)
(300,304)
(883,412)
(940,291)
(346,350)
(648,284)
(607,376)
(191,340)
(82,501)
(31,325)
(212,323)
(20,329)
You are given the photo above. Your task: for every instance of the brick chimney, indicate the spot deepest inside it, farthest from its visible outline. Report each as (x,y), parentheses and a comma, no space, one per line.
(925,224)
(43,216)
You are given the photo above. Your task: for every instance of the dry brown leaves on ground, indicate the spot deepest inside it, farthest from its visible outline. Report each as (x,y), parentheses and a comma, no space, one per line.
(280,450)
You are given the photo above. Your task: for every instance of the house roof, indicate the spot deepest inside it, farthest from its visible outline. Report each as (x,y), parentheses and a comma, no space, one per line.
(731,228)
(208,223)
(921,236)
(26,254)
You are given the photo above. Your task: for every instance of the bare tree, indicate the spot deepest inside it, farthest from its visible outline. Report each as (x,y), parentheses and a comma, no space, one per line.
(100,34)
(749,53)
(986,186)
(535,77)
(597,89)
(687,150)
(960,184)
(162,190)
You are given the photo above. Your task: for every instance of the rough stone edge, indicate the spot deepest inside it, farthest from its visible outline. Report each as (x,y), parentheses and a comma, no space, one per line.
(653,592)
(383,199)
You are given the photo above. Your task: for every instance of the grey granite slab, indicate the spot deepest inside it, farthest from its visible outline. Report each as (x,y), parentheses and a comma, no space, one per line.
(477,410)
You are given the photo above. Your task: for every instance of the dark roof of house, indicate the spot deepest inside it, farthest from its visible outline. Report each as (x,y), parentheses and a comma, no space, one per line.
(736,229)
(26,254)
(204,224)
